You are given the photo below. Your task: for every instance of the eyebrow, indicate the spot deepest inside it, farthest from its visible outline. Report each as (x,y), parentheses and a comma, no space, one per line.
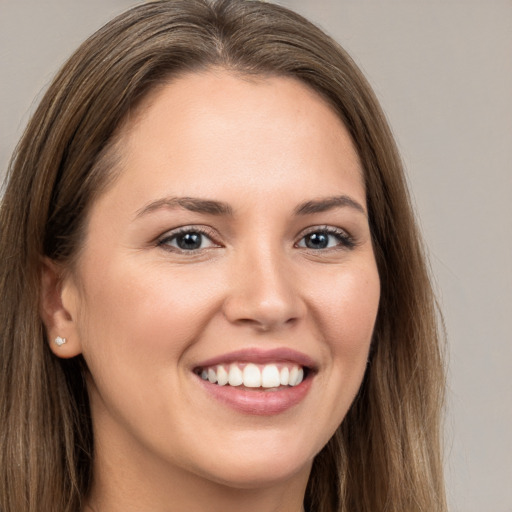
(328,203)
(212,207)
(188,203)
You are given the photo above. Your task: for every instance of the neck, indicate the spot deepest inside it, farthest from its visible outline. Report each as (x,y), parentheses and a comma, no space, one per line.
(89,508)
(205,498)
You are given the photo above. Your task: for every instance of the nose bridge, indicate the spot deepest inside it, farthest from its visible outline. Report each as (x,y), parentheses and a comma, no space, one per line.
(263,291)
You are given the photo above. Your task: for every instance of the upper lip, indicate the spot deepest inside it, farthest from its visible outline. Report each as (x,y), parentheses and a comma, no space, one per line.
(261,356)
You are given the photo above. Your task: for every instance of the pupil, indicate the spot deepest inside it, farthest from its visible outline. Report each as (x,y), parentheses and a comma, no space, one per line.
(189,241)
(317,241)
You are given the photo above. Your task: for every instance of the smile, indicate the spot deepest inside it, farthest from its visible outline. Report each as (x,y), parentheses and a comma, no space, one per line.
(251,375)
(258,382)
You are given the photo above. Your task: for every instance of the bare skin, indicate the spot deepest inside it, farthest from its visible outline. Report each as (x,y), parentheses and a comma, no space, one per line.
(271,259)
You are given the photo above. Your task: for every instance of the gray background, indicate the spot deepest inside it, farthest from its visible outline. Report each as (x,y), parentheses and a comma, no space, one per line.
(443,72)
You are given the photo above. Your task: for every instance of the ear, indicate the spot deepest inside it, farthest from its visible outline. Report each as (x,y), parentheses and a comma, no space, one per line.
(58,308)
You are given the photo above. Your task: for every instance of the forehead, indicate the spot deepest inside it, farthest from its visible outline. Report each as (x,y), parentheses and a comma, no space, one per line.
(217,125)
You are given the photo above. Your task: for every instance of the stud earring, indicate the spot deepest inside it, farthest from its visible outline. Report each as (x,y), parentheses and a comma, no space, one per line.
(60,341)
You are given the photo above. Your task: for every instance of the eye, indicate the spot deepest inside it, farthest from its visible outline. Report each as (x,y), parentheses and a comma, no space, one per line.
(186,240)
(326,238)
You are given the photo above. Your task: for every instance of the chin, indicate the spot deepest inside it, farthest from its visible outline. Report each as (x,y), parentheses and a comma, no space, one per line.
(262,467)
(257,476)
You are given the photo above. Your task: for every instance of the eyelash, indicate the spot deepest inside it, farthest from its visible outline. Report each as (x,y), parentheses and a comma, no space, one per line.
(186,230)
(345,241)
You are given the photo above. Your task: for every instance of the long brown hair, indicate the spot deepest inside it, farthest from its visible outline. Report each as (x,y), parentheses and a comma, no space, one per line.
(385,456)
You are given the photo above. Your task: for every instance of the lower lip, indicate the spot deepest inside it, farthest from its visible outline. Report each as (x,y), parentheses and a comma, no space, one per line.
(257,402)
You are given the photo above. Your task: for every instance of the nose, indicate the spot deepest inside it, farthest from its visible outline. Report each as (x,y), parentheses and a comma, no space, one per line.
(263,292)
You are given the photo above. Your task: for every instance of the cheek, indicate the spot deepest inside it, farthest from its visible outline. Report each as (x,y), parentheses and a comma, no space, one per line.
(346,314)
(348,305)
(343,310)
(139,320)
(137,310)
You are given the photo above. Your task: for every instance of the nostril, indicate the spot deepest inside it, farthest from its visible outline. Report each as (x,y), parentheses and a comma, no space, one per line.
(266,324)
(262,296)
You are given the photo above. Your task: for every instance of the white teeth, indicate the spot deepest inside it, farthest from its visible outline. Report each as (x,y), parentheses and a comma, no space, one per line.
(285,376)
(270,377)
(252,376)
(296,376)
(294,372)
(222,376)
(212,375)
(235,376)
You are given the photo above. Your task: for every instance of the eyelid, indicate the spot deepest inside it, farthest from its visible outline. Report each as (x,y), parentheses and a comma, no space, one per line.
(347,241)
(206,231)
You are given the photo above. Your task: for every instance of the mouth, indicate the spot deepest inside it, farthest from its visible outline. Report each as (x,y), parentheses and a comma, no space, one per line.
(271,376)
(258,382)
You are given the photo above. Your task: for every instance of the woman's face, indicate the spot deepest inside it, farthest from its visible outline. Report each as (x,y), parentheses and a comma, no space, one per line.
(233,246)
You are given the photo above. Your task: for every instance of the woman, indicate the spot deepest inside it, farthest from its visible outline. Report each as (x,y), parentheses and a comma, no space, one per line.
(214,292)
